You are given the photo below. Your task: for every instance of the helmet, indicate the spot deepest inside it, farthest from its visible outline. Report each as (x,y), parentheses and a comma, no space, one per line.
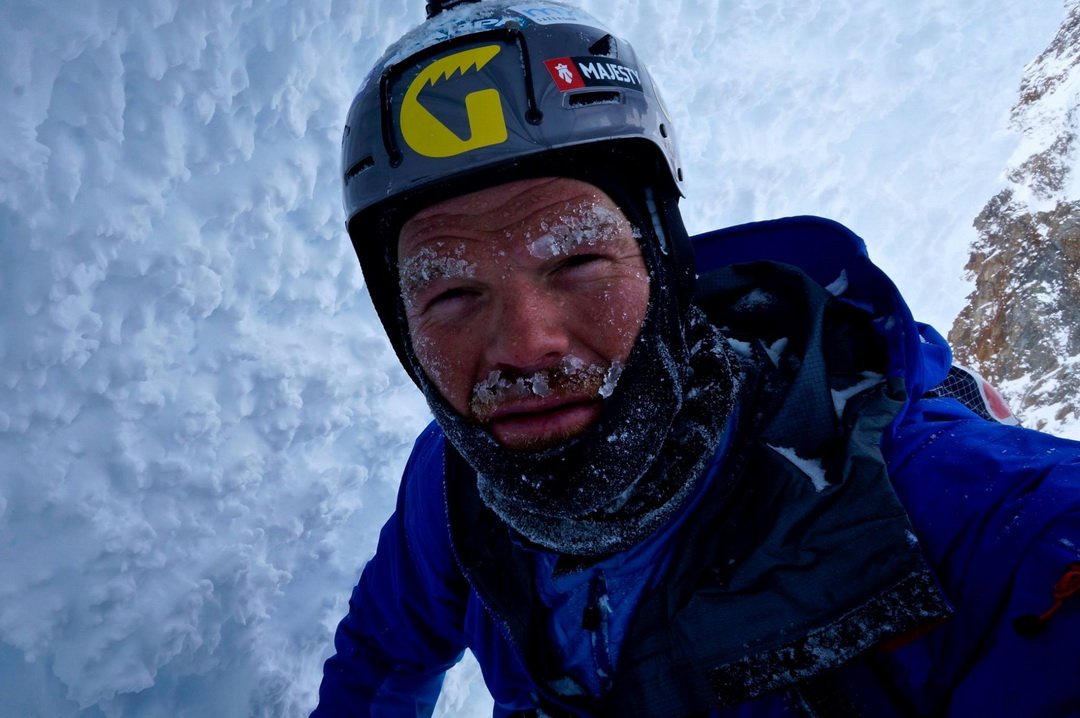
(483,93)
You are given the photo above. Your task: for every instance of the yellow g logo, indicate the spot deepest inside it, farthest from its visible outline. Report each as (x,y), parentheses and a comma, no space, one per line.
(474,121)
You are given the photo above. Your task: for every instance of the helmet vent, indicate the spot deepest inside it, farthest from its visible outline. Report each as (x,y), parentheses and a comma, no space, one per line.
(434,7)
(364,164)
(605,46)
(599,97)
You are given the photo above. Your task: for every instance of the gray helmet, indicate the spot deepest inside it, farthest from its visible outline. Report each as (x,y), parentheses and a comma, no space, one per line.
(487,92)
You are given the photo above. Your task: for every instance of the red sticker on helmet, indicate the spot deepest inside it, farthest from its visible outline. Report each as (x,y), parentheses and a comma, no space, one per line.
(571,73)
(565,73)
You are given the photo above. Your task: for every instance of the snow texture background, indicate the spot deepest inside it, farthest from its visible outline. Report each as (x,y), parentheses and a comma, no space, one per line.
(201,425)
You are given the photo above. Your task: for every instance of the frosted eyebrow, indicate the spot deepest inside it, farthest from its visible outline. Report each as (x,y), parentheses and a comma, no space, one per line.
(589,224)
(418,270)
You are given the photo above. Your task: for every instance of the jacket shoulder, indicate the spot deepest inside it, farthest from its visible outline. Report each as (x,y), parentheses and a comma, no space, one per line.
(818,246)
(421,497)
(404,626)
(997,511)
(836,258)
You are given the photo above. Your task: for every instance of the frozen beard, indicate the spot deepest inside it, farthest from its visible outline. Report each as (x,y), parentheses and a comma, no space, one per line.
(572,379)
(609,487)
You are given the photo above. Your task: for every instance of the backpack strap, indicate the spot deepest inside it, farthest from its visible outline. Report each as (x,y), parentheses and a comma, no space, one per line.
(977,394)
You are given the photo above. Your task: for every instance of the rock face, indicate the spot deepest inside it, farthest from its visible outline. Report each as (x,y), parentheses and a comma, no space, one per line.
(1021,326)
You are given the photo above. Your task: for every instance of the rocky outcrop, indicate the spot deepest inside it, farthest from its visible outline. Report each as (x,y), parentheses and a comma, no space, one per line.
(1021,326)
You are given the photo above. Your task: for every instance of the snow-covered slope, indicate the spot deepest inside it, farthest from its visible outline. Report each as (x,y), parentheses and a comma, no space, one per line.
(1021,326)
(201,426)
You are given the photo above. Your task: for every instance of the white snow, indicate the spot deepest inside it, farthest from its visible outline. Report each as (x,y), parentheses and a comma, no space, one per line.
(840,397)
(776,350)
(743,349)
(201,424)
(812,468)
(839,285)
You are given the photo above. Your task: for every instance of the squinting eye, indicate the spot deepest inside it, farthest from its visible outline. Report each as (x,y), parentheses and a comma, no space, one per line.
(449,295)
(579,260)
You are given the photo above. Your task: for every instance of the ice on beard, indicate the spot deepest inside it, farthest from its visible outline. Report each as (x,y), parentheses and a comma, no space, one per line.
(572,375)
(611,379)
(539,385)
(588,224)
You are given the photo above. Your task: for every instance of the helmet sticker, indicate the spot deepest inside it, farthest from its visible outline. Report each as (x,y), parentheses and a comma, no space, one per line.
(570,73)
(554,15)
(432,126)
(565,73)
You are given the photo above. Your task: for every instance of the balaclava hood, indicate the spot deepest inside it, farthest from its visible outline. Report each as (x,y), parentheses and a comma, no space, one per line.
(614,484)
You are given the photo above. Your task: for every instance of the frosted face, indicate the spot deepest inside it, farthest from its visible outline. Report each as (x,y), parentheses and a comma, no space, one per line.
(523,302)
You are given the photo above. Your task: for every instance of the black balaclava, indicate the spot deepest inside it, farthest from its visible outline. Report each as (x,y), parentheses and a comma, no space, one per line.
(618,481)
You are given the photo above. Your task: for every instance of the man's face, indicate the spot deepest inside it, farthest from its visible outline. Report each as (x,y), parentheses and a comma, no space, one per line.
(523,301)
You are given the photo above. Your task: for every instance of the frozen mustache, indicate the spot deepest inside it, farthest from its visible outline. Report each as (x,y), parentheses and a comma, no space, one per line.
(570,377)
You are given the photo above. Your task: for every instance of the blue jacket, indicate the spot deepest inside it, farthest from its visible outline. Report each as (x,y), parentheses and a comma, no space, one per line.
(995,510)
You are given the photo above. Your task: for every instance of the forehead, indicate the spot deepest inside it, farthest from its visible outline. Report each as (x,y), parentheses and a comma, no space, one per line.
(504,208)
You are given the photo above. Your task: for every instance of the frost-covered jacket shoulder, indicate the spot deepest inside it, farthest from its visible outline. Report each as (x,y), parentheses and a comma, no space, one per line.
(405,625)
(997,509)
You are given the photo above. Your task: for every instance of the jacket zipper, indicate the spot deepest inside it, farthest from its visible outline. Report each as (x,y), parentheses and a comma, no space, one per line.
(595,621)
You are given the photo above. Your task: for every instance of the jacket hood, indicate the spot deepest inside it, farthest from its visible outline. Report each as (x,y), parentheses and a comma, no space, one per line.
(838,260)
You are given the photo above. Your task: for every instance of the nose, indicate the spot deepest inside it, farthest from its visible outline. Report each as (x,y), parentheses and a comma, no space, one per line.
(529,330)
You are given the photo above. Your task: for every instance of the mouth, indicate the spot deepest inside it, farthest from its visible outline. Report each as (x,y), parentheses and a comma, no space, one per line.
(534,425)
(544,408)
